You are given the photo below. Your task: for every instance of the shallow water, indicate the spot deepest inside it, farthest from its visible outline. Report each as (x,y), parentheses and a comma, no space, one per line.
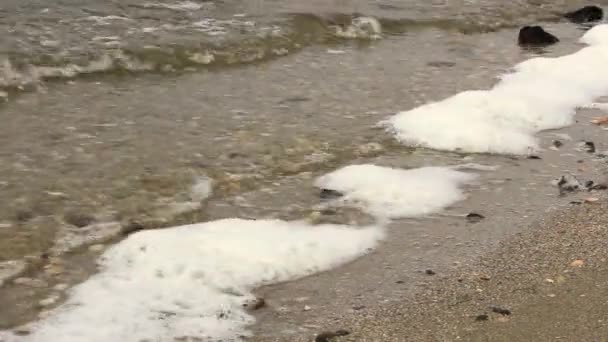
(120,146)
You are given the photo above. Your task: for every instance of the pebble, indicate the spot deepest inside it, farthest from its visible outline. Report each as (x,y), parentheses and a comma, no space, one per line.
(430,272)
(307,308)
(577,263)
(474,217)
(502,311)
(550,281)
(482,317)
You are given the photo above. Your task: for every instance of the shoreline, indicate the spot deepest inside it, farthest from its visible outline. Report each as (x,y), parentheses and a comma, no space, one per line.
(548,282)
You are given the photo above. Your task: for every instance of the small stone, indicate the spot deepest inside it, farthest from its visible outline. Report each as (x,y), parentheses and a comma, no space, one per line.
(484,277)
(577,263)
(399,282)
(78,219)
(598,187)
(591,199)
(358,307)
(482,317)
(551,295)
(550,281)
(429,272)
(500,310)
(329,335)
(589,146)
(557,143)
(533,156)
(307,308)
(21,331)
(474,217)
(256,304)
(330,194)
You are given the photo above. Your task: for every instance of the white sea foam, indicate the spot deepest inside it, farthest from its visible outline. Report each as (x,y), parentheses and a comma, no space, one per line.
(541,93)
(392,193)
(192,281)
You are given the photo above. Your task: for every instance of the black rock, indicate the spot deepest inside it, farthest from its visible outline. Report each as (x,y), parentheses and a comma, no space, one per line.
(400,282)
(430,272)
(482,317)
(330,194)
(533,156)
(557,143)
(256,304)
(78,219)
(569,183)
(502,311)
(589,146)
(474,217)
(328,335)
(535,36)
(585,15)
(598,187)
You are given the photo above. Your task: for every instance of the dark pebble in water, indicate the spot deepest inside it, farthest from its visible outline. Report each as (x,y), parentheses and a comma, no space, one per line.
(502,311)
(588,184)
(589,146)
(532,156)
(24,215)
(430,272)
(576,202)
(535,36)
(474,217)
(295,99)
(330,194)
(400,282)
(557,143)
(328,335)
(441,64)
(585,15)
(482,317)
(78,219)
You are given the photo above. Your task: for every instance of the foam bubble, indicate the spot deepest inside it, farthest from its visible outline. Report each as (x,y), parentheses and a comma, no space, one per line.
(392,193)
(541,93)
(192,281)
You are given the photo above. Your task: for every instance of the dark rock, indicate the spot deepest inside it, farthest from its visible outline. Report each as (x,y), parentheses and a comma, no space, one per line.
(558,143)
(400,282)
(588,184)
(441,64)
(576,202)
(358,307)
(328,335)
(598,187)
(502,311)
(295,99)
(535,36)
(78,219)
(482,317)
(256,304)
(585,15)
(533,156)
(430,272)
(330,194)
(569,183)
(474,217)
(589,146)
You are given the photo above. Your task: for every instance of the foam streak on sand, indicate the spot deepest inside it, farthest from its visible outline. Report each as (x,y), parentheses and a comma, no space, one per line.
(542,93)
(192,281)
(390,193)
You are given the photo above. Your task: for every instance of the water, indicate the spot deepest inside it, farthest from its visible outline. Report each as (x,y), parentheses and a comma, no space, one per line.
(115,108)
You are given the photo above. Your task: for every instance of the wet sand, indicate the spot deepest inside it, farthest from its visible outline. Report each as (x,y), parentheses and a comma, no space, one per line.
(548,284)
(552,279)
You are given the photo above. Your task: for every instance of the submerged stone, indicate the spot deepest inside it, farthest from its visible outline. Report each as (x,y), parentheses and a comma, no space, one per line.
(585,15)
(535,36)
